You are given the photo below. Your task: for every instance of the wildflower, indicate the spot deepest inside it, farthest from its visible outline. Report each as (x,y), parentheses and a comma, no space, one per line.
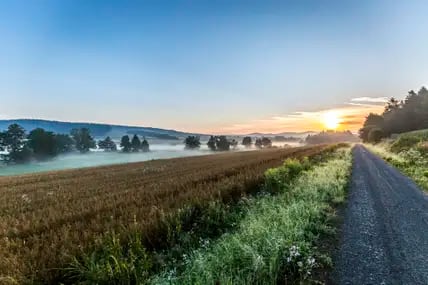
(311,261)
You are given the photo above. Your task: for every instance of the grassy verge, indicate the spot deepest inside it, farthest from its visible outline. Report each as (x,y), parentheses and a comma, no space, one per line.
(275,241)
(129,259)
(411,160)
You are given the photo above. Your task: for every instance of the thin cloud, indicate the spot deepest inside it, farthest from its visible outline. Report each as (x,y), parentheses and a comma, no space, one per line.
(369,100)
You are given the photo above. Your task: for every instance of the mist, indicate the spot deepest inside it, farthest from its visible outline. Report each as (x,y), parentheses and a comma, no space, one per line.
(96,157)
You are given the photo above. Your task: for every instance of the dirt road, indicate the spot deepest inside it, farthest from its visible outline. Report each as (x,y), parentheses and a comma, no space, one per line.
(385,231)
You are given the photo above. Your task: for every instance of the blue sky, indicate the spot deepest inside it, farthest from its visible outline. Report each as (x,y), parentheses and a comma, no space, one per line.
(209,66)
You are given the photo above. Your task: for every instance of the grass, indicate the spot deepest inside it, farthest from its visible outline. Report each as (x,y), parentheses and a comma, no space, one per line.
(275,242)
(49,221)
(409,153)
(406,141)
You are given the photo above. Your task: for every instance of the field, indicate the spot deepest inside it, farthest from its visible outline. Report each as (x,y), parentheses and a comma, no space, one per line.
(47,219)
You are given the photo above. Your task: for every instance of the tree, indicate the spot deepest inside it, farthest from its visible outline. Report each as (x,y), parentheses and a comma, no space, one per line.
(107,144)
(372,121)
(392,105)
(13,141)
(2,144)
(222,143)
(192,142)
(136,144)
(42,143)
(247,141)
(145,147)
(212,143)
(400,116)
(125,144)
(82,139)
(266,142)
(375,135)
(64,143)
(258,143)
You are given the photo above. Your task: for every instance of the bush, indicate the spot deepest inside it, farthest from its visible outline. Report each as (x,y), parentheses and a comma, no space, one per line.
(375,135)
(280,176)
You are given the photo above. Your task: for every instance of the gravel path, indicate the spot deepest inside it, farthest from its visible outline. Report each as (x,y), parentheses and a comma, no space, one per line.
(385,231)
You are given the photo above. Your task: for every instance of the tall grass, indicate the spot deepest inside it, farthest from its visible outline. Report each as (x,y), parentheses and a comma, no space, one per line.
(276,240)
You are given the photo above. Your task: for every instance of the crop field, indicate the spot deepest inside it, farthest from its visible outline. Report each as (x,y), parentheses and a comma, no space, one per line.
(47,219)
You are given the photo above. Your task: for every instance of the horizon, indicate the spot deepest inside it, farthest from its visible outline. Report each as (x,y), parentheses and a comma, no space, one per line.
(220,68)
(177,130)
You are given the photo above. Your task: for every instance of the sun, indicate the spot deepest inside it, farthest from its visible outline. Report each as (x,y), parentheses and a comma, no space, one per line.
(331,120)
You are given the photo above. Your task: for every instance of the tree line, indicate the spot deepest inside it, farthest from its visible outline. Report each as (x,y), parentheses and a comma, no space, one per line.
(331,136)
(398,116)
(40,144)
(222,143)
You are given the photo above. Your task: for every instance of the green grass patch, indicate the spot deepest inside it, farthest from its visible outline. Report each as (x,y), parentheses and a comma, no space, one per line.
(409,140)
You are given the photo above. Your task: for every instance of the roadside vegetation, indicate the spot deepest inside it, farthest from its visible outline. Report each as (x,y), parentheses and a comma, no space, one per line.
(54,225)
(276,240)
(409,153)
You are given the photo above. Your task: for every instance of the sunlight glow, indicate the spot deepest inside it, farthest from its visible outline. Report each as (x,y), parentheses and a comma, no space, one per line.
(331,120)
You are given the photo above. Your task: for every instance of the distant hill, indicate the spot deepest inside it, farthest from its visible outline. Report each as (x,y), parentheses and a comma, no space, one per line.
(97,130)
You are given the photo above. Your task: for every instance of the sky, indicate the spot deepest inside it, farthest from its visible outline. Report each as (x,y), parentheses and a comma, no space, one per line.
(224,67)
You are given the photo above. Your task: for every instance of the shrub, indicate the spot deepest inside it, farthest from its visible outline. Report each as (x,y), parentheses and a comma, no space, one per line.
(375,135)
(281,176)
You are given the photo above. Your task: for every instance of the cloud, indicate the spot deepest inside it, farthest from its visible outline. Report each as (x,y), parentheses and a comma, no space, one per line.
(369,101)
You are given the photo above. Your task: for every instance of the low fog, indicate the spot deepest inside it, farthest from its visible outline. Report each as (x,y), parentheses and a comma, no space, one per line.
(158,150)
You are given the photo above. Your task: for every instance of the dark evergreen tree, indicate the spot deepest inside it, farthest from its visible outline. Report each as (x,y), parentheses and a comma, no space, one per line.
(125,143)
(13,141)
(136,144)
(83,139)
(145,147)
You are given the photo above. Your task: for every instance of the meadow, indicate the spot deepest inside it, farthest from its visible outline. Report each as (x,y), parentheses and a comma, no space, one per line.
(50,219)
